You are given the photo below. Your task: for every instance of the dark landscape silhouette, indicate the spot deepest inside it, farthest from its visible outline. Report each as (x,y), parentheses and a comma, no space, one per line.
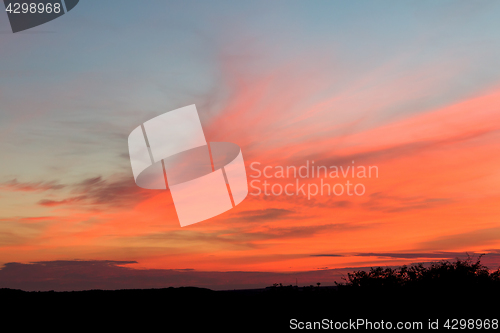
(459,289)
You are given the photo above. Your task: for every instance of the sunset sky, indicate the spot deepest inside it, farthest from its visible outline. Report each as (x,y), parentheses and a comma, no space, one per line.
(410,87)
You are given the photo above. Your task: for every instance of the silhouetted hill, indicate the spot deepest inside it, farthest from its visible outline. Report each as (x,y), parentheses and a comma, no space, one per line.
(462,290)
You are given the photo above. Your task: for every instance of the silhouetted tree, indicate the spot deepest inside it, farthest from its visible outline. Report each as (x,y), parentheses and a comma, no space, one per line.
(443,274)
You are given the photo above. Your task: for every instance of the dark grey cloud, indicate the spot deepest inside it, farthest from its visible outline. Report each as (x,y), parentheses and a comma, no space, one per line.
(120,191)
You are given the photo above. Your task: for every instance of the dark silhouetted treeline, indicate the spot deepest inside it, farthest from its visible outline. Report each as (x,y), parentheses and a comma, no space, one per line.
(442,275)
(444,290)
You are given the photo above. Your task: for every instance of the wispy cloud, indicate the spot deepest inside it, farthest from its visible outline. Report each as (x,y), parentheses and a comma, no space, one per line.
(268,214)
(15,185)
(119,191)
(394,204)
(470,239)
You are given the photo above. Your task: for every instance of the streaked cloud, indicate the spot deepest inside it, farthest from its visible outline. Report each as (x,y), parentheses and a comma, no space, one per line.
(15,185)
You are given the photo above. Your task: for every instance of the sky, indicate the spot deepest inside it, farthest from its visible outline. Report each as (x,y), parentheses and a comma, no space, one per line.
(410,89)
